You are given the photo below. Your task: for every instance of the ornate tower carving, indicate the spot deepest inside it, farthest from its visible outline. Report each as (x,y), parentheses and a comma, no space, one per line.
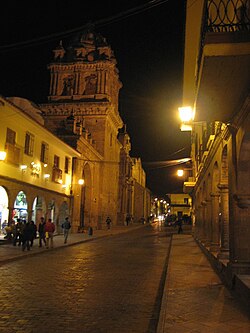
(85,70)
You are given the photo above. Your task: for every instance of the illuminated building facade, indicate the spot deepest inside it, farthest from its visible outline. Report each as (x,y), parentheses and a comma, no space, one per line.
(35,177)
(85,86)
(216,86)
(79,136)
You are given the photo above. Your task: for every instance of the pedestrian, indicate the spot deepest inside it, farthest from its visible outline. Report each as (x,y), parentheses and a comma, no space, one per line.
(108,222)
(90,231)
(34,230)
(17,233)
(179,223)
(66,226)
(49,229)
(127,219)
(41,232)
(27,236)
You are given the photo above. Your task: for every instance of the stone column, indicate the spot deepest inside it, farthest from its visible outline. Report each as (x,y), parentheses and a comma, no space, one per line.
(208,225)
(240,253)
(224,221)
(215,241)
(54,88)
(76,87)
(198,222)
(203,234)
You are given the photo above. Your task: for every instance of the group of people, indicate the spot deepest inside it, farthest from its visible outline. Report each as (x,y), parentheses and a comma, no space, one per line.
(24,233)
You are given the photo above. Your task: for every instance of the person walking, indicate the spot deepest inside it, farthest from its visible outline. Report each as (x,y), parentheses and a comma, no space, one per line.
(66,226)
(108,222)
(179,223)
(18,232)
(41,231)
(27,236)
(34,230)
(127,219)
(49,229)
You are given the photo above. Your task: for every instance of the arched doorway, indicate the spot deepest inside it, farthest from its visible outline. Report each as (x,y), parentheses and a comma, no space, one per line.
(38,209)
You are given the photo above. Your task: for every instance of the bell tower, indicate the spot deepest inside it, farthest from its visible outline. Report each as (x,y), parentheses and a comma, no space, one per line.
(84,71)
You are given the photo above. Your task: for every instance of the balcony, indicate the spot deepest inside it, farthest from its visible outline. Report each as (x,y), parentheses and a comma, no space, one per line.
(189,185)
(57,175)
(223,66)
(12,153)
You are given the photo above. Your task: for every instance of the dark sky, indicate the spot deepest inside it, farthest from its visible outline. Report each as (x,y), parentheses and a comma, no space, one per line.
(148,45)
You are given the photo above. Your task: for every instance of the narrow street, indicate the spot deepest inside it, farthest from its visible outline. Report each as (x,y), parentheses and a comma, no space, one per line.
(108,285)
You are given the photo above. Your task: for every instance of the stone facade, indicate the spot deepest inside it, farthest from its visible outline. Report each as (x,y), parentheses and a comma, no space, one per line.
(85,86)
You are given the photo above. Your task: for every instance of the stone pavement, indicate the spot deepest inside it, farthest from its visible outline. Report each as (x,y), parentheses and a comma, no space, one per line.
(194,298)
(9,253)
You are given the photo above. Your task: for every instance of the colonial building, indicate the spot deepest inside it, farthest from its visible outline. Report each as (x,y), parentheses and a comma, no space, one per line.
(84,87)
(36,173)
(180,205)
(216,86)
(141,196)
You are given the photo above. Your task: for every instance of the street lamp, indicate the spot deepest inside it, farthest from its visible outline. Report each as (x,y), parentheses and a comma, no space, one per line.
(187,114)
(180,173)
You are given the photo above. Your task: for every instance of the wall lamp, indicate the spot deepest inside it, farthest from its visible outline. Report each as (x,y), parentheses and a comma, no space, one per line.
(81,181)
(2,155)
(23,167)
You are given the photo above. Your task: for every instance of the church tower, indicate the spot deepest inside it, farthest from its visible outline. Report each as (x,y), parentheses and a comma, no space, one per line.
(83,97)
(84,81)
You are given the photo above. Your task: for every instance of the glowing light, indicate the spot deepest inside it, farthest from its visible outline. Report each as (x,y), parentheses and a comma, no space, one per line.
(180,173)
(46,175)
(2,155)
(81,181)
(186,113)
(23,167)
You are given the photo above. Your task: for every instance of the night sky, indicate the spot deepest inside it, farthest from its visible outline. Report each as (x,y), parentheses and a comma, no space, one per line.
(148,43)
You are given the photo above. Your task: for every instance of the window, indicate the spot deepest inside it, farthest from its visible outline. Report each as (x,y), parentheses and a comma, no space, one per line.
(67,164)
(13,152)
(44,152)
(56,161)
(29,144)
(11,136)
(57,172)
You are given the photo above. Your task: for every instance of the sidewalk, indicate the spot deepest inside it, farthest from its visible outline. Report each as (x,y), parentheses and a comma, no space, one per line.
(194,298)
(9,253)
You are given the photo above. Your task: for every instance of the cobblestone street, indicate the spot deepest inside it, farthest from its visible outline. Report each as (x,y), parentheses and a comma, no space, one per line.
(107,285)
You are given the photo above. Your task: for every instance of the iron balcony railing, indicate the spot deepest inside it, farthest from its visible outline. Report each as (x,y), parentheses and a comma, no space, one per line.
(224,16)
(227,15)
